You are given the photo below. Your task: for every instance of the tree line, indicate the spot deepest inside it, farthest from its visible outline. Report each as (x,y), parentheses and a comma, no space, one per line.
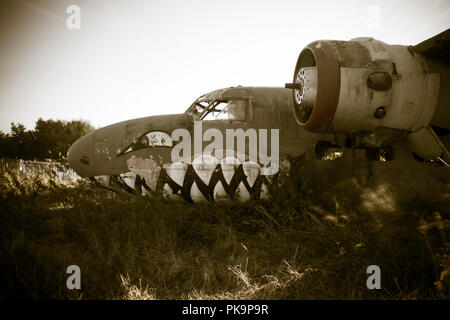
(50,139)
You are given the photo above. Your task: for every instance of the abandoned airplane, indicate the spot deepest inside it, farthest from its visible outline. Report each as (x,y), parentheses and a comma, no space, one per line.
(360,111)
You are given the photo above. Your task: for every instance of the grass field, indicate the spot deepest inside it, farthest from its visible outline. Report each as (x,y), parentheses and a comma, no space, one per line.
(299,245)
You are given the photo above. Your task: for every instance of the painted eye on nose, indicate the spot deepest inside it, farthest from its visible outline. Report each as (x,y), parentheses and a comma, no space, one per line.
(84,160)
(149,139)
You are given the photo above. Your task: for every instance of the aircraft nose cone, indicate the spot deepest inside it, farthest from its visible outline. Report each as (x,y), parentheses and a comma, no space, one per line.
(80,155)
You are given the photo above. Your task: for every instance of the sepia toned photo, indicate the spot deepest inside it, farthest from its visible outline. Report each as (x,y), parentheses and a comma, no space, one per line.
(238,152)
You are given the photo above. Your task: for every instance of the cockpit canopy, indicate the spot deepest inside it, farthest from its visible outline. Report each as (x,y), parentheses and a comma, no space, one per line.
(219,108)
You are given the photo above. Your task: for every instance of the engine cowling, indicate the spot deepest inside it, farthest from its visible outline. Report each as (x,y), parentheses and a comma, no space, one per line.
(362,85)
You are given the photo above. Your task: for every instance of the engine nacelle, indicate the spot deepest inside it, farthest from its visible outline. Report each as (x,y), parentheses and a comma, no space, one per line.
(362,85)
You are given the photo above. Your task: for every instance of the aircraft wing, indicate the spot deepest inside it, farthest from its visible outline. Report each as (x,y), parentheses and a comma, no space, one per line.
(436,48)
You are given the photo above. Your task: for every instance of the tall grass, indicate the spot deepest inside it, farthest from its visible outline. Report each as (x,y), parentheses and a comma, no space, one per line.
(299,245)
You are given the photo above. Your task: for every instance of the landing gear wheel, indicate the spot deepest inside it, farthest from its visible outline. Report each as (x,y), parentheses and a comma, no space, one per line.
(323,149)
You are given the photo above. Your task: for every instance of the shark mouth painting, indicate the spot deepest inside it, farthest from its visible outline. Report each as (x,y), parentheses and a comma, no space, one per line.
(205,178)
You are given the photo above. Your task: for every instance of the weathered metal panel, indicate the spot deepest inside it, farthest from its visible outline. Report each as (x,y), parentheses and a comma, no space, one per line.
(352,54)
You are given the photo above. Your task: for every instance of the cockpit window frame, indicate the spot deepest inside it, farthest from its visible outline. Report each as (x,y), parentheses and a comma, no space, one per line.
(211,107)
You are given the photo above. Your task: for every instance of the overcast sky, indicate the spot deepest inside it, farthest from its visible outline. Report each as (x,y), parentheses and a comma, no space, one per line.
(134,58)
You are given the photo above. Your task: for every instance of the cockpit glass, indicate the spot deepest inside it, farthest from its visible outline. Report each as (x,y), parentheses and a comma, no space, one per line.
(219,110)
(215,111)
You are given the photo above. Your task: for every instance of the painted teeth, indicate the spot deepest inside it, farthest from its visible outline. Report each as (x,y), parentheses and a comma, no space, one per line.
(205,179)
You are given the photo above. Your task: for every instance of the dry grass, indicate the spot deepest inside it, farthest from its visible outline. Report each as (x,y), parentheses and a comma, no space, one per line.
(297,246)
